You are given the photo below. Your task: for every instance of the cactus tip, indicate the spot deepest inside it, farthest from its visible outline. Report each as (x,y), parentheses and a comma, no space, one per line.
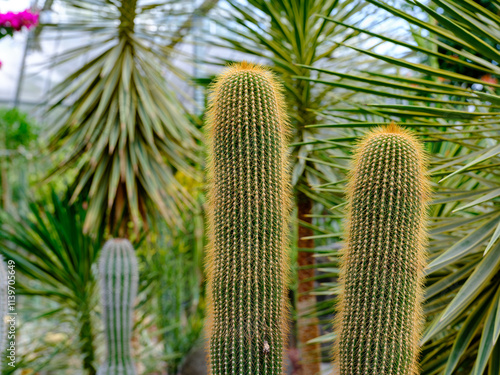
(393,128)
(247,66)
(243,66)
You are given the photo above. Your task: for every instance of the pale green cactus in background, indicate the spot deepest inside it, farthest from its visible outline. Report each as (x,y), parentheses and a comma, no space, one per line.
(118,275)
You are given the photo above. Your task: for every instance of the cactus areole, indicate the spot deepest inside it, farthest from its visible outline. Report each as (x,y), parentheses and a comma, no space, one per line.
(378,325)
(118,276)
(249,204)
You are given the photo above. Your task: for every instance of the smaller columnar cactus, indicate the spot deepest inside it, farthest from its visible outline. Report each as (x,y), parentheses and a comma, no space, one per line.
(378,325)
(118,280)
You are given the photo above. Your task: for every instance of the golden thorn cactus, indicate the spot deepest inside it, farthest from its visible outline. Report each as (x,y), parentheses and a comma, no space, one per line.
(379,321)
(249,204)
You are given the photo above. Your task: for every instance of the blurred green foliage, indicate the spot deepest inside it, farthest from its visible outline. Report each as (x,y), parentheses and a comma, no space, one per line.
(173,289)
(55,259)
(16,129)
(18,134)
(58,294)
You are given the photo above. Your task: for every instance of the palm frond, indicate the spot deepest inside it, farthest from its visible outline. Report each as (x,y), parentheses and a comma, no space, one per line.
(55,257)
(125,131)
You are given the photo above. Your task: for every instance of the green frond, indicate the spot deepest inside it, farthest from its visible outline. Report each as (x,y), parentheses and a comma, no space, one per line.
(124,132)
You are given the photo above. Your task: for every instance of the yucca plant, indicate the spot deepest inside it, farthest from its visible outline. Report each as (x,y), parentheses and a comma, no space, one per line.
(287,35)
(55,257)
(457,115)
(124,130)
(248,211)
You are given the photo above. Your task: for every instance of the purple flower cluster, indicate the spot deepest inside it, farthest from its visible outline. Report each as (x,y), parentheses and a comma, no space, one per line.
(17,21)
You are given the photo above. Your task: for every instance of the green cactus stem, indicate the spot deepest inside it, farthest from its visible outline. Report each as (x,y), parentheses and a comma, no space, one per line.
(118,280)
(378,326)
(249,201)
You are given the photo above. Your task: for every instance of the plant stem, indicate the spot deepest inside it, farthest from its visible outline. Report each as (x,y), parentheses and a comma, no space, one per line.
(308,328)
(86,340)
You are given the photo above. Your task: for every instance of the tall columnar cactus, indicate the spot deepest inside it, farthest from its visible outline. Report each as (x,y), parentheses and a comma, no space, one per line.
(249,203)
(118,280)
(378,325)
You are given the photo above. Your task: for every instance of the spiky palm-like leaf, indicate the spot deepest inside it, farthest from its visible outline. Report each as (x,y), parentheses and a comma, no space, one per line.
(125,131)
(50,249)
(457,115)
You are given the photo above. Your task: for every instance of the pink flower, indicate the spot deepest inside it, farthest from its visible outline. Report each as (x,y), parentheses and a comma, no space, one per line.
(17,21)
(1,64)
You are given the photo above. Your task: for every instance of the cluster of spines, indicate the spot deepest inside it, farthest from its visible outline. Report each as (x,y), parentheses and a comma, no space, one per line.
(379,321)
(118,274)
(249,203)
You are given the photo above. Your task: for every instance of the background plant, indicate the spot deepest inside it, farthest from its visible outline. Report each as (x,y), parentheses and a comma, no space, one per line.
(124,131)
(118,130)
(17,136)
(118,279)
(12,22)
(55,257)
(172,297)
